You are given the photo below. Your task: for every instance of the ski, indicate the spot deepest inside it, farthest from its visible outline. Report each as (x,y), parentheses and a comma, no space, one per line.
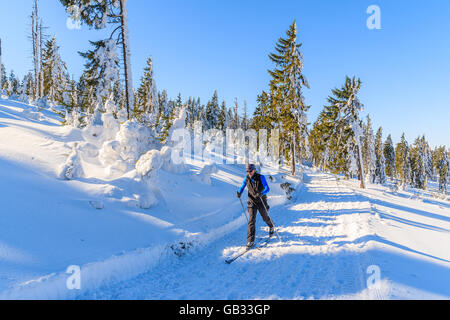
(231,260)
(260,245)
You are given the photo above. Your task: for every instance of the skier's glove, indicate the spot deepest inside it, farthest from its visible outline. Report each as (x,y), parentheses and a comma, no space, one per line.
(238,194)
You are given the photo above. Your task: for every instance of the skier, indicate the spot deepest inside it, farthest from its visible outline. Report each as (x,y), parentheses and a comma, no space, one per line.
(257,201)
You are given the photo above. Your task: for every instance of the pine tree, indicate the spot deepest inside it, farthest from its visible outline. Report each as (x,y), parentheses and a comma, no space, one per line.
(13,84)
(286,89)
(54,71)
(443,168)
(389,154)
(380,171)
(3,78)
(28,84)
(222,117)
(341,131)
(229,118)
(101,74)
(369,156)
(403,161)
(97,14)
(168,117)
(261,117)
(147,96)
(212,112)
(421,163)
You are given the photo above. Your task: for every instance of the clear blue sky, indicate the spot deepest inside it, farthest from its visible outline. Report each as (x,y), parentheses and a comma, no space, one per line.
(201,45)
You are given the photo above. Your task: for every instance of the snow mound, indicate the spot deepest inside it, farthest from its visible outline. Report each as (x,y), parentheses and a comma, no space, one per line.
(206,172)
(32,115)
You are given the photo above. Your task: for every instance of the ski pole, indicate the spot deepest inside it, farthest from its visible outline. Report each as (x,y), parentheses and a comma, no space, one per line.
(276,231)
(245,212)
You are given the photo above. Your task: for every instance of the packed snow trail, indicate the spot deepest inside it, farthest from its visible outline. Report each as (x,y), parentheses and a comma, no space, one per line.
(328,245)
(336,238)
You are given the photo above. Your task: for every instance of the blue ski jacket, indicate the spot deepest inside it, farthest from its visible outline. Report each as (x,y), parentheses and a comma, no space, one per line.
(263,181)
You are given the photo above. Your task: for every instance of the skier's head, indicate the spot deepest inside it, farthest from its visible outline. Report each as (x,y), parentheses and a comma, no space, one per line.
(251,169)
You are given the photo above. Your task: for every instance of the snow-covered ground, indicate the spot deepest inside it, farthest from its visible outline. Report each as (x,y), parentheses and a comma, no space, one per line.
(335,237)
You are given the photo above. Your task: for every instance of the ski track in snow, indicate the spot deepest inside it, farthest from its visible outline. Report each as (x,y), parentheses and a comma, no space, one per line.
(317,258)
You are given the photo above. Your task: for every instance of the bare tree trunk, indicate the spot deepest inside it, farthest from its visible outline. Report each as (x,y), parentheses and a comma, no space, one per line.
(34,39)
(293,154)
(129,95)
(41,71)
(361,166)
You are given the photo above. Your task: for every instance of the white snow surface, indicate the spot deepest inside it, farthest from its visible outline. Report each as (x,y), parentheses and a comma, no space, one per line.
(165,235)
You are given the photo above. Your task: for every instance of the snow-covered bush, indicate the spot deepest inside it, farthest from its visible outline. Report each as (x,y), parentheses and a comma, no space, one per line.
(116,168)
(111,125)
(135,139)
(93,134)
(154,160)
(72,168)
(110,152)
(95,119)
(178,123)
(88,149)
(149,163)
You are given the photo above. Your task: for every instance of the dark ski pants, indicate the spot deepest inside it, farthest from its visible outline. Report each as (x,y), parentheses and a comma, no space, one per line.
(253,211)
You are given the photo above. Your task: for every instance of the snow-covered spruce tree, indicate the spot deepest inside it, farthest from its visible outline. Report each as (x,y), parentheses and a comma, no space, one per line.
(403,161)
(443,168)
(71,102)
(222,117)
(190,112)
(54,72)
(389,155)
(369,156)
(162,107)
(350,110)
(380,171)
(86,97)
(327,146)
(23,90)
(286,88)
(168,112)
(101,75)
(146,97)
(229,118)
(3,77)
(97,14)
(212,112)
(261,117)
(342,128)
(13,85)
(421,163)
